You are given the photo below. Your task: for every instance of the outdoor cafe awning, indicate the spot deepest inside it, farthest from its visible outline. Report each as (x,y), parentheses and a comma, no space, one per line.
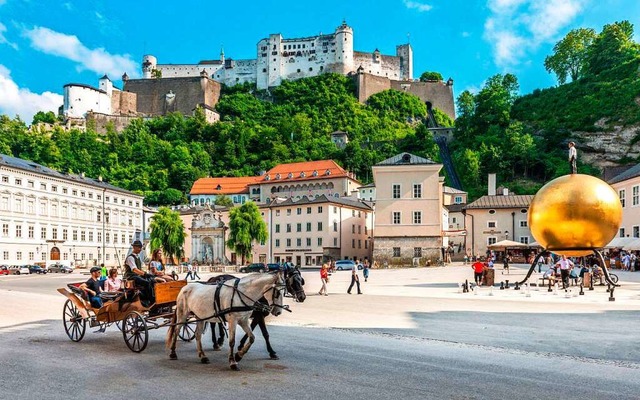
(507,244)
(633,245)
(619,242)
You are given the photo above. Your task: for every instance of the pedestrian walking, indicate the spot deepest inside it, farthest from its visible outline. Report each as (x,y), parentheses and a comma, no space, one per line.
(505,264)
(195,273)
(566,266)
(354,278)
(324,277)
(365,271)
(189,273)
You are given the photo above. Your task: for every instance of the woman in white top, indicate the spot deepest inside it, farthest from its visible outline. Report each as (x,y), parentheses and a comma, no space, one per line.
(112,284)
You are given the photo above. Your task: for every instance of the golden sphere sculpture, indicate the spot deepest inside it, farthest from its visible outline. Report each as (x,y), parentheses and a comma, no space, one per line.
(575,212)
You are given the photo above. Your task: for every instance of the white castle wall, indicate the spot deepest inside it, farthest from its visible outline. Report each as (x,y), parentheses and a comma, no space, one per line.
(78,99)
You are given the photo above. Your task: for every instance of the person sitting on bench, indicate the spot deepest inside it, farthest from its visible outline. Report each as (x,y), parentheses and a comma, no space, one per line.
(133,271)
(93,288)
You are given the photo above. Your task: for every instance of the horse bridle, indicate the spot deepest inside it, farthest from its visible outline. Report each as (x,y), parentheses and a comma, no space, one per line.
(289,277)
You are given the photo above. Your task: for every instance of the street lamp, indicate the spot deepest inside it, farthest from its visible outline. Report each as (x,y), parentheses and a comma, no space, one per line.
(98,259)
(506,235)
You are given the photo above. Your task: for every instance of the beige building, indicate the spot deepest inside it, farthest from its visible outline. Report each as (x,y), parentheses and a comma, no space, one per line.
(409,213)
(454,201)
(495,217)
(627,184)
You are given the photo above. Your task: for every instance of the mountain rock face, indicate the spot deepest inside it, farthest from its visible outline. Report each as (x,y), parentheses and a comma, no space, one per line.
(606,148)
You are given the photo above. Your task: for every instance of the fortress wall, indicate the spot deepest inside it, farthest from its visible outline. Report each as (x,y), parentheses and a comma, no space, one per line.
(438,93)
(368,85)
(101,121)
(123,103)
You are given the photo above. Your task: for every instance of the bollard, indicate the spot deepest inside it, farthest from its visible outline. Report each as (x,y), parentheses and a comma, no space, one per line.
(459,287)
(567,293)
(507,284)
(476,290)
(555,288)
(490,290)
(608,287)
(549,286)
(591,283)
(611,298)
(501,285)
(527,290)
(517,287)
(581,290)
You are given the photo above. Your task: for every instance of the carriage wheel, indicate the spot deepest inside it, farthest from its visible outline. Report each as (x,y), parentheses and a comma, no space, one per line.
(74,324)
(134,331)
(187,331)
(119,325)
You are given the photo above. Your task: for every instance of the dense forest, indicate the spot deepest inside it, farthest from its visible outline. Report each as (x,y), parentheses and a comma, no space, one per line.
(523,139)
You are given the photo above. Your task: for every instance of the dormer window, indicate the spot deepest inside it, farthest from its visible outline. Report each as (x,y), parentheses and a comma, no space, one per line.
(302,175)
(267,178)
(315,173)
(327,172)
(218,187)
(277,176)
(290,175)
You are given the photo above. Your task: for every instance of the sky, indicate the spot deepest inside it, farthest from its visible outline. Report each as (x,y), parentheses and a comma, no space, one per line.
(45,44)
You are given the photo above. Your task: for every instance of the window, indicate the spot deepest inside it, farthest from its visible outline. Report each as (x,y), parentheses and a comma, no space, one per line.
(319,209)
(277,242)
(74,235)
(74,192)
(30,184)
(417,251)
(308,210)
(621,232)
(417,217)
(65,234)
(277,228)
(299,242)
(491,224)
(277,213)
(5,179)
(491,241)
(18,182)
(623,193)
(99,237)
(5,230)
(359,243)
(54,233)
(288,242)
(31,232)
(353,243)
(319,226)
(82,194)
(395,191)
(30,207)
(335,226)
(457,200)
(308,241)
(19,231)
(5,254)
(353,228)
(54,188)
(523,224)
(31,256)
(83,236)
(417,190)
(335,210)
(396,251)
(353,213)
(335,242)
(19,255)
(524,239)
(396,218)
(299,210)
(90,236)
(98,215)
(308,226)
(288,227)
(43,233)
(64,190)
(106,237)
(319,241)
(288,211)
(636,231)
(635,191)
(19,205)
(4,203)
(54,210)
(298,227)
(43,208)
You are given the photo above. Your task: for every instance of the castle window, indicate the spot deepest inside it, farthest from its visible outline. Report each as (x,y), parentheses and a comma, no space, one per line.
(321,68)
(298,69)
(264,70)
(310,69)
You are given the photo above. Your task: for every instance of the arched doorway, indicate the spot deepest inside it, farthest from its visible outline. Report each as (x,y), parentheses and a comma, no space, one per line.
(55,254)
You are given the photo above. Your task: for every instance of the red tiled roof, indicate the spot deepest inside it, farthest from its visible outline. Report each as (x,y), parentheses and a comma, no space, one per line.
(226,185)
(304,171)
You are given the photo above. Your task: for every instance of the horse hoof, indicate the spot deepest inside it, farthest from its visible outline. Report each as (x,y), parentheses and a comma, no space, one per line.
(274,356)
(204,360)
(173,356)
(237,357)
(234,367)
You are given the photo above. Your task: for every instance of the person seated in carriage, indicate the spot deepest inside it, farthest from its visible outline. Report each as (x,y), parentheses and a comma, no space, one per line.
(113,283)
(143,281)
(93,288)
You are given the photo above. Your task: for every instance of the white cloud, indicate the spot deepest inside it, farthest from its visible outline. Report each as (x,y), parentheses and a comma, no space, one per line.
(516,27)
(70,47)
(23,102)
(421,7)
(3,39)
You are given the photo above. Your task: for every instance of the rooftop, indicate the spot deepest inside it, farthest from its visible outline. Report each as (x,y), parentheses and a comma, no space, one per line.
(628,174)
(449,189)
(307,170)
(33,167)
(345,201)
(511,201)
(406,159)
(224,185)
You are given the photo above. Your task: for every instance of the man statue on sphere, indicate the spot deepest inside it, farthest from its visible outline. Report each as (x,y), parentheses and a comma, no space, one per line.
(573,156)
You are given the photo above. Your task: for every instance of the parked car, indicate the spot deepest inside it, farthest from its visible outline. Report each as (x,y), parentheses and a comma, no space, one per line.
(36,269)
(346,265)
(60,268)
(20,270)
(254,267)
(273,266)
(4,270)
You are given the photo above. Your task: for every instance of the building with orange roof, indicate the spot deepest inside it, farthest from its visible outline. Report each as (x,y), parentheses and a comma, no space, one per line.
(309,178)
(206,190)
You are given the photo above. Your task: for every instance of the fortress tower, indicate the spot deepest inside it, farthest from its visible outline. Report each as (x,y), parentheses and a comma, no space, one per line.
(405,52)
(344,49)
(149,63)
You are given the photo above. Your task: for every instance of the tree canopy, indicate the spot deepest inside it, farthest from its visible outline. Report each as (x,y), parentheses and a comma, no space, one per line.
(245,226)
(569,58)
(431,76)
(167,233)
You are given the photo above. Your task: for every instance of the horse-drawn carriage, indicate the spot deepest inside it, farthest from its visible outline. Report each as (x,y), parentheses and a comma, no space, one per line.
(125,310)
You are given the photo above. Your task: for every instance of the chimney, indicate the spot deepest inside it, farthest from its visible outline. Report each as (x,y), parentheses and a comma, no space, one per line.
(505,191)
(492,185)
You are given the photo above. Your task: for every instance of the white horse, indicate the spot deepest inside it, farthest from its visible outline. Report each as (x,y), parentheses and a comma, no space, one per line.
(235,301)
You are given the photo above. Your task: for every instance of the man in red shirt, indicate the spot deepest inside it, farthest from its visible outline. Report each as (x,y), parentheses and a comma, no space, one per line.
(478,271)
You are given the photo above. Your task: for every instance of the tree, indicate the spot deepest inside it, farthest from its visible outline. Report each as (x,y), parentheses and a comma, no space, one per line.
(167,232)
(431,76)
(245,226)
(224,201)
(41,116)
(569,56)
(612,47)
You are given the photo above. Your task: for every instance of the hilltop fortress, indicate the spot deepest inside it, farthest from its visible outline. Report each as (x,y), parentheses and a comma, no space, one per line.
(166,88)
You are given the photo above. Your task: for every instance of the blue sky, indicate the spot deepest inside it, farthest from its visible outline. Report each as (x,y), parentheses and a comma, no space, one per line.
(45,44)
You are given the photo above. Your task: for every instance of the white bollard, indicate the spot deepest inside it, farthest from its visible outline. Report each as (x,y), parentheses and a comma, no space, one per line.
(555,288)
(528,291)
(476,290)
(567,293)
(459,287)
(490,290)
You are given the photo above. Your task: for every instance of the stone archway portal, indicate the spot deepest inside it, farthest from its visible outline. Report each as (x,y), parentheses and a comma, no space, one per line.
(54,254)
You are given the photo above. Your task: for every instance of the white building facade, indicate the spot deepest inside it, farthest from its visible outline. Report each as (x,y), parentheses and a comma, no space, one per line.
(281,59)
(80,99)
(47,216)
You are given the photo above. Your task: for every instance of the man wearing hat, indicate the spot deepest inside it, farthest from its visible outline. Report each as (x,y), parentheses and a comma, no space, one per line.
(92,288)
(133,271)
